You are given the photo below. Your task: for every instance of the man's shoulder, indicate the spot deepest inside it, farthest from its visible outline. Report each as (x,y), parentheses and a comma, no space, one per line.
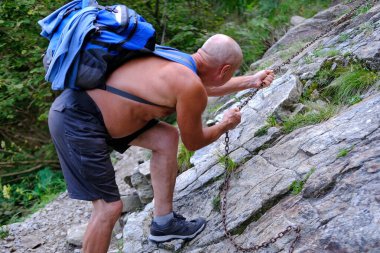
(181,70)
(179,74)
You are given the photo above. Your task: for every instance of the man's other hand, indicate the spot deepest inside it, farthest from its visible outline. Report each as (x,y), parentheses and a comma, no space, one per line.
(261,79)
(232,118)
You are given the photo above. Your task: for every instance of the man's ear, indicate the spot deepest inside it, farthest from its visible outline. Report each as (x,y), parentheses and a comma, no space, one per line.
(225,69)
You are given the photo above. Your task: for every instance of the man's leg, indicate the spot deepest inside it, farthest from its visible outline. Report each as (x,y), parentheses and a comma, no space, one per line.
(163,141)
(166,225)
(99,229)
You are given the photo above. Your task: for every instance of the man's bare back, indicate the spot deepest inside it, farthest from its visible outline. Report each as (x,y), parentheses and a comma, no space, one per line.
(154,79)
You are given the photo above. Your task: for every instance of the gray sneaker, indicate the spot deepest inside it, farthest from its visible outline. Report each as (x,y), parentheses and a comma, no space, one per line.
(176,228)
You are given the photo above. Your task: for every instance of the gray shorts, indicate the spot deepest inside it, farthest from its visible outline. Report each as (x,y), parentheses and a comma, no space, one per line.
(84,145)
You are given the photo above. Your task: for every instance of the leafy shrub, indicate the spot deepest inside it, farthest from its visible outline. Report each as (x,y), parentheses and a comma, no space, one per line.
(33,191)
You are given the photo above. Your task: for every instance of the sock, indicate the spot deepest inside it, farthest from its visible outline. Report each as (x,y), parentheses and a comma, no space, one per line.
(162,220)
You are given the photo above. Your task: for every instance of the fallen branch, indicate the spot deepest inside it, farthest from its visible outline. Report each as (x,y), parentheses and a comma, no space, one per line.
(29,162)
(22,172)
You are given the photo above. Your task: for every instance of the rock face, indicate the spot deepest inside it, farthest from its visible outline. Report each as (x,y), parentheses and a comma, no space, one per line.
(338,209)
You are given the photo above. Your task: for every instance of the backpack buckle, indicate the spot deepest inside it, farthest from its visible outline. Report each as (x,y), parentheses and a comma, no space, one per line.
(108,8)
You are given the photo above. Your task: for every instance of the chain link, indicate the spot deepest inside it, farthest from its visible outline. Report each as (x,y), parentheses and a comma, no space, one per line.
(226,184)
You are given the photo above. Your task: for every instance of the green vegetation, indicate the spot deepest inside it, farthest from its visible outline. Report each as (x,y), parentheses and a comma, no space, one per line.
(363,9)
(216,204)
(309,118)
(343,37)
(29,194)
(262,131)
(351,82)
(288,52)
(325,52)
(226,160)
(340,87)
(271,122)
(343,152)
(214,108)
(183,158)
(4,232)
(297,185)
(368,28)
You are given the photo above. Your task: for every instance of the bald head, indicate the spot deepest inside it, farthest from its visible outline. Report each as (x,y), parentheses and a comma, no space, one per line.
(221,49)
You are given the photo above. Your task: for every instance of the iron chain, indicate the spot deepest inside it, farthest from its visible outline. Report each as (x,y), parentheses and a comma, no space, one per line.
(226,184)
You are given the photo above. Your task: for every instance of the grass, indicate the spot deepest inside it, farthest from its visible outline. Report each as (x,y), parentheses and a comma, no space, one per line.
(214,108)
(343,37)
(230,164)
(343,86)
(270,122)
(4,232)
(344,152)
(367,27)
(308,59)
(262,131)
(323,52)
(216,204)
(288,52)
(183,158)
(297,185)
(346,88)
(309,118)
(363,9)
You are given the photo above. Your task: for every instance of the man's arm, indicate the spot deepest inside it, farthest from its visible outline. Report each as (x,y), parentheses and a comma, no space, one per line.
(191,102)
(235,84)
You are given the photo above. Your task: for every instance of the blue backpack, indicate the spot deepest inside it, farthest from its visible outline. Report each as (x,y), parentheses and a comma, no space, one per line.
(88,41)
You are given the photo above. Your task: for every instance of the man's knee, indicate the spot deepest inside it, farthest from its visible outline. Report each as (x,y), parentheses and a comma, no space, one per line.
(108,210)
(169,141)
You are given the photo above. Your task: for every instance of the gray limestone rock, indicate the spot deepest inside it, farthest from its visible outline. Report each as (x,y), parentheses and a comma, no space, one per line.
(296,20)
(75,234)
(131,201)
(140,180)
(339,198)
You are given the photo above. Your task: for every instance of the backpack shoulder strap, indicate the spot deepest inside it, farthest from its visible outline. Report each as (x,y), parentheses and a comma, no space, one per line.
(175,55)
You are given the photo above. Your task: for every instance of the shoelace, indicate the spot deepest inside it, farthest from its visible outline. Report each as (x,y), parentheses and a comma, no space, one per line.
(178,216)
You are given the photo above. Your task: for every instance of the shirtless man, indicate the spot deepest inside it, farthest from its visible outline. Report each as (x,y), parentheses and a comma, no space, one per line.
(84,124)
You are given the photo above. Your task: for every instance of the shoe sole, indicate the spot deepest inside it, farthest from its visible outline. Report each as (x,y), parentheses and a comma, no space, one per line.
(167,238)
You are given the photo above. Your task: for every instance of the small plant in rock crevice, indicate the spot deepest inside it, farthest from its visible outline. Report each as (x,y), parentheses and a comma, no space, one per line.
(309,118)
(336,87)
(344,152)
(325,52)
(343,37)
(297,185)
(350,83)
(231,165)
(270,122)
(216,204)
(262,131)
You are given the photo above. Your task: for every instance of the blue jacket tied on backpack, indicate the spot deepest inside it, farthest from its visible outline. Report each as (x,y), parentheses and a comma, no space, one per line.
(69,43)
(89,41)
